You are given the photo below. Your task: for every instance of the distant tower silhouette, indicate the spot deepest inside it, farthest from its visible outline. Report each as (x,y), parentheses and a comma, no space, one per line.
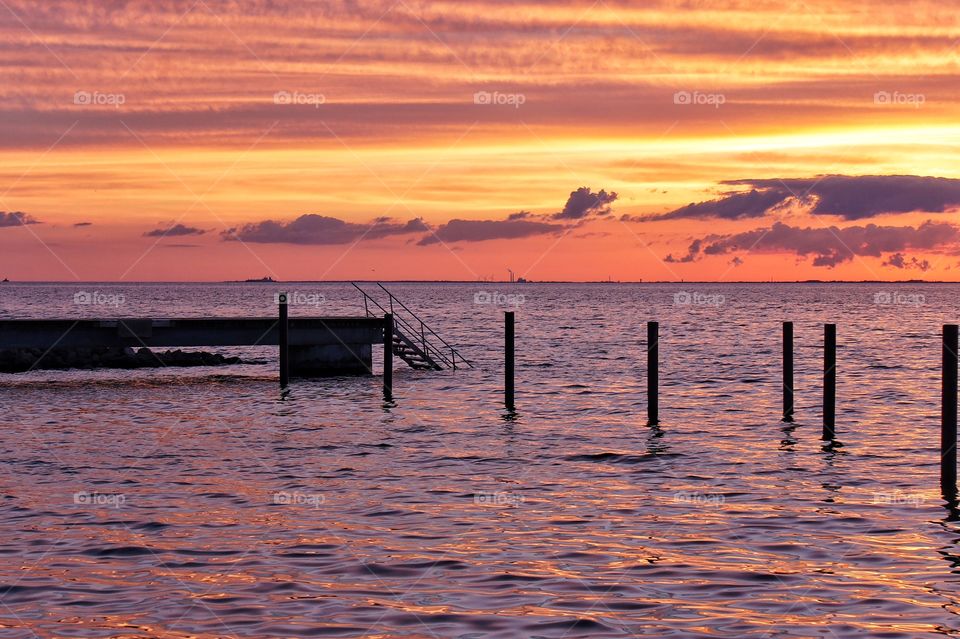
(511,275)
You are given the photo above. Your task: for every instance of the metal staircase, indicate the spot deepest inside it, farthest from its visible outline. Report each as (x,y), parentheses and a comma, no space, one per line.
(413,341)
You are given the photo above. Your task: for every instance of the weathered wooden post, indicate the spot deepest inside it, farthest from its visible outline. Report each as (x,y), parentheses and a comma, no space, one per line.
(284,341)
(508,369)
(388,355)
(829,381)
(948,412)
(653,372)
(788,371)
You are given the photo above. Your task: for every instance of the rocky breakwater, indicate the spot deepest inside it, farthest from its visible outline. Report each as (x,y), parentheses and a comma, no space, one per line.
(18,360)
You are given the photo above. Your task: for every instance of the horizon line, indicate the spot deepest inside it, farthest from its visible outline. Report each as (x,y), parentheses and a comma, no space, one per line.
(402,281)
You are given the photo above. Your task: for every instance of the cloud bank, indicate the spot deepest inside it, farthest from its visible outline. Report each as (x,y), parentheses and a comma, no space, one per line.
(312,229)
(851,198)
(325,230)
(831,246)
(481,230)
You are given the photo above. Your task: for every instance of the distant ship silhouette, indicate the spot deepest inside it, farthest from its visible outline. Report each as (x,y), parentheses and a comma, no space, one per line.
(262,279)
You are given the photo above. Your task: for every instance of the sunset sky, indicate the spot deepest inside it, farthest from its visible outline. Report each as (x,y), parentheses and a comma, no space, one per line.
(698,140)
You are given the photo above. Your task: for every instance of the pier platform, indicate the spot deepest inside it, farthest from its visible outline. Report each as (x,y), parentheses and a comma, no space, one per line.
(318,346)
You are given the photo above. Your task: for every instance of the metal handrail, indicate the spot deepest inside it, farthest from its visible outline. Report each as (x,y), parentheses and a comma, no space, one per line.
(450,361)
(422,323)
(412,331)
(403,323)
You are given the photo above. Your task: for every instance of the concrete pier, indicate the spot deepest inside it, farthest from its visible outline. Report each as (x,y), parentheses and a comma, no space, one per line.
(317,345)
(326,359)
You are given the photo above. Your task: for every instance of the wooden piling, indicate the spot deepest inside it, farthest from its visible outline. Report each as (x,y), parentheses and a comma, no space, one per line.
(829,381)
(948,412)
(788,371)
(653,373)
(388,355)
(284,341)
(508,369)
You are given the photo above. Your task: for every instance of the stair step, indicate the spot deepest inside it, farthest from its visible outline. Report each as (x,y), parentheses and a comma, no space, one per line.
(412,352)
(414,347)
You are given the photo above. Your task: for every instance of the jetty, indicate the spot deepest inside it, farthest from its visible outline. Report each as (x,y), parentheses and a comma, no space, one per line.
(309,346)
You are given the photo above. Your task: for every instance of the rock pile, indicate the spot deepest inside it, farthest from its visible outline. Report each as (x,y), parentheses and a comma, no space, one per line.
(17,360)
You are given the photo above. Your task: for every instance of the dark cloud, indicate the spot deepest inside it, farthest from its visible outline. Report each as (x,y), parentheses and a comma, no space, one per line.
(320,230)
(896,260)
(859,197)
(581,203)
(584,202)
(832,246)
(82,224)
(899,260)
(733,206)
(849,197)
(481,230)
(15,218)
(736,261)
(174,231)
(691,255)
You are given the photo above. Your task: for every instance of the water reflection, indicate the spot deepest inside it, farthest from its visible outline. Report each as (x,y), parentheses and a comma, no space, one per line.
(950,502)
(788,441)
(833,450)
(656,443)
(204,503)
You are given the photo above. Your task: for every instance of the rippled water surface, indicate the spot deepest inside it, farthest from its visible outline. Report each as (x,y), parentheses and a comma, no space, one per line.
(201,503)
